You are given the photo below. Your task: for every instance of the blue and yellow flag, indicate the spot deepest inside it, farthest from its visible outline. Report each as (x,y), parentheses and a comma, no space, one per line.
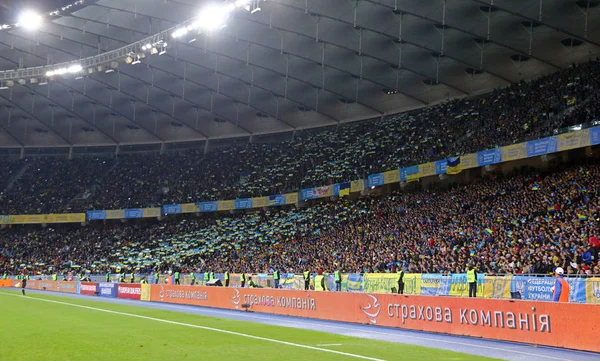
(453,165)
(344,189)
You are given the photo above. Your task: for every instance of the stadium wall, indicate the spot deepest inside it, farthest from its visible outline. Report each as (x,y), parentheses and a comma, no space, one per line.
(540,323)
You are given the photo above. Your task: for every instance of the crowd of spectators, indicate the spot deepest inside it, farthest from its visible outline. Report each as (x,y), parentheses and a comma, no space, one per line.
(527,223)
(313,158)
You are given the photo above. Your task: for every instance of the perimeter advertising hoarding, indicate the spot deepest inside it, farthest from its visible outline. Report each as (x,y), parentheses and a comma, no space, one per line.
(131,291)
(6,283)
(55,286)
(88,288)
(542,323)
(106,289)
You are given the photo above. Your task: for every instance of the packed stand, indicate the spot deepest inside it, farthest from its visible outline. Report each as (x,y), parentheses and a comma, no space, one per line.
(523,224)
(522,111)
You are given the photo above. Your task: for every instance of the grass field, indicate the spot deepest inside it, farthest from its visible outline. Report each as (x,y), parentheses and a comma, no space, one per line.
(49,328)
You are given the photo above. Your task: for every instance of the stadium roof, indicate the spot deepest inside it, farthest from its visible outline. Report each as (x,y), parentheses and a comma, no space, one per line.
(293,65)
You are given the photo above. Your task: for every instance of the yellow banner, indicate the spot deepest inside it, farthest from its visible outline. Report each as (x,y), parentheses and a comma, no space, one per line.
(6,219)
(291,198)
(427,169)
(145,293)
(225,205)
(592,290)
(150,212)
(115,214)
(514,152)
(469,161)
(383,283)
(260,202)
(47,218)
(573,140)
(392,176)
(190,208)
(357,185)
(496,287)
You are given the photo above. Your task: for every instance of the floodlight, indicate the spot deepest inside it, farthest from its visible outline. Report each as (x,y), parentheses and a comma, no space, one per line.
(49,73)
(213,17)
(76,68)
(30,20)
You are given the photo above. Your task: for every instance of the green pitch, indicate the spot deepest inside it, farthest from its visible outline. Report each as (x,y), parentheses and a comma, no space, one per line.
(67,329)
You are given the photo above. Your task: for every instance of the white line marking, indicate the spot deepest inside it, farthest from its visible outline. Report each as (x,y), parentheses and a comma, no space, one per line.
(329,344)
(199,327)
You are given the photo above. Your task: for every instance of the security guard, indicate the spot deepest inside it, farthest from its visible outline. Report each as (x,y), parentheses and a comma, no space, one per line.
(243,279)
(193,277)
(320,282)
(143,281)
(472,281)
(107,277)
(306,280)
(156,277)
(206,279)
(276,278)
(226,278)
(401,281)
(177,278)
(5,276)
(211,275)
(251,283)
(79,277)
(54,277)
(122,277)
(132,277)
(338,281)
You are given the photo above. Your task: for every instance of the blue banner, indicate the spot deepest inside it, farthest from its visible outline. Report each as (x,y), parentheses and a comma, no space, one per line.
(541,146)
(533,288)
(435,285)
(375,180)
(404,172)
(577,292)
(595,136)
(96,215)
(171,209)
(488,157)
(336,189)
(440,166)
(244,203)
(208,206)
(307,194)
(134,213)
(277,200)
(107,289)
(355,282)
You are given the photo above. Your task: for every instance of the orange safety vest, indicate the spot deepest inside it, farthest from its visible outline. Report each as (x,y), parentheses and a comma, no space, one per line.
(564,293)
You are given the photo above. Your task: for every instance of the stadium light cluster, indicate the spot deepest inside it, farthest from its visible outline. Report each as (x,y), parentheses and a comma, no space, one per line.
(73,69)
(214,16)
(32,20)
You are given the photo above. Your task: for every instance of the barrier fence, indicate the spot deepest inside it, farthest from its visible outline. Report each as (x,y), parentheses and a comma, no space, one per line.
(582,290)
(540,323)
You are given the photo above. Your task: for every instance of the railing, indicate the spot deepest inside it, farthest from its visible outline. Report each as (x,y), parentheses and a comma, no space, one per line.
(583,289)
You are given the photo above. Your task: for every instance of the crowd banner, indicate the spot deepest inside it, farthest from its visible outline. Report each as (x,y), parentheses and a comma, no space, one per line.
(496,287)
(96,215)
(260,202)
(573,140)
(375,180)
(441,166)
(48,218)
(130,291)
(171,209)
(384,282)
(540,288)
(460,287)
(88,288)
(408,171)
(469,161)
(208,207)
(541,146)
(427,169)
(226,205)
(107,289)
(392,176)
(355,282)
(243,203)
(151,212)
(540,323)
(592,290)
(277,200)
(115,214)
(488,157)
(291,198)
(595,136)
(190,208)
(134,213)
(357,185)
(514,152)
